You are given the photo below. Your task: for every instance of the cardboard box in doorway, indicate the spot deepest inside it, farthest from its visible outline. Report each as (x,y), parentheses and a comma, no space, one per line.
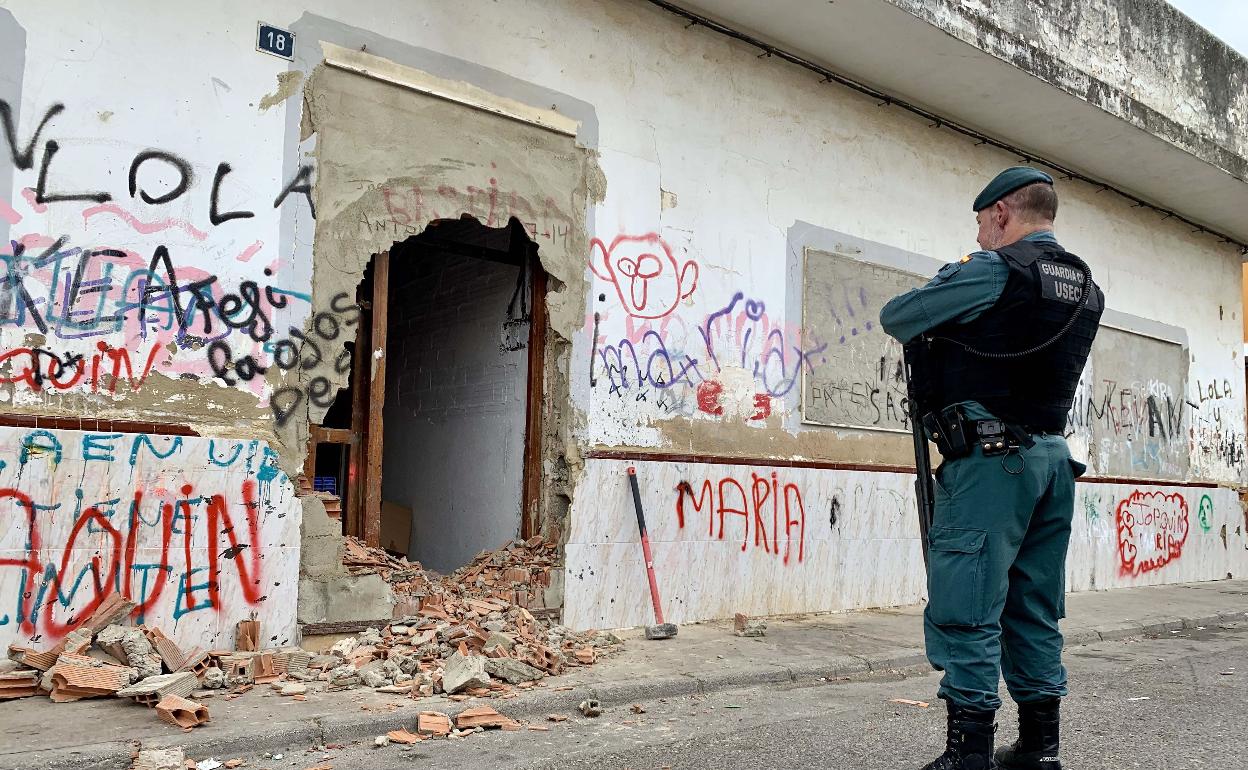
(396,527)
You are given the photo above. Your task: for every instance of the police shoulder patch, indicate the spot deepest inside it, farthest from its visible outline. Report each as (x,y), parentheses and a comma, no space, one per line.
(946,272)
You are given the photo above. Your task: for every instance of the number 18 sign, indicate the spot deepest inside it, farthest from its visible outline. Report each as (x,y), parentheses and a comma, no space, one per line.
(276,41)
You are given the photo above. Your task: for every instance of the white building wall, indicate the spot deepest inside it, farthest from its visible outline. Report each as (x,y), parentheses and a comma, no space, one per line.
(706,149)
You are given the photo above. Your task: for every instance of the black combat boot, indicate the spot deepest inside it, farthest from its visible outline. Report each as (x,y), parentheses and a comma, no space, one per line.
(1036,747)
(969,742)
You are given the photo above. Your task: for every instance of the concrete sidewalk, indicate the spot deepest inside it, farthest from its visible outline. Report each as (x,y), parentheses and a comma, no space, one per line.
(703,658)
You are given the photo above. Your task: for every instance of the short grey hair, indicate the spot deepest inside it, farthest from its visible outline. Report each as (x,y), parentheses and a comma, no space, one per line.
(1035,202)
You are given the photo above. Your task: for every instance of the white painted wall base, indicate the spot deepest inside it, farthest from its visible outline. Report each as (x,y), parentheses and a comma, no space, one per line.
(869,556)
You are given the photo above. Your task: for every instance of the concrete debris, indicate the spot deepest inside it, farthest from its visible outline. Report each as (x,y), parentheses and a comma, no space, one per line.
(294,689)
(344,647)
(512,671)
(137,652)
(208,764)
(78,641)
(214,678)
(590,707)
(381,741)
(160,759)
(744,625)
(464,672)
(109,640)
(499,639)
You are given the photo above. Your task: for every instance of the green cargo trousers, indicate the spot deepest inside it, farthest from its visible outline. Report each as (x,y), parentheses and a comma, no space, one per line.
(998,573)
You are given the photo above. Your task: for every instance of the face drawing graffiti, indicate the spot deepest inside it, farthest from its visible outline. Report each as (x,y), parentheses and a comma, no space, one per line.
(649,281)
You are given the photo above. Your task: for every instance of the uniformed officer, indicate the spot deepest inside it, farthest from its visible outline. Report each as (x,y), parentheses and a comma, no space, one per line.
(1003,336)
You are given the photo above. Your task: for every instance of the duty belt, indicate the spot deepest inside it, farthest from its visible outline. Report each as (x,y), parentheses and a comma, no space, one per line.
(956,435)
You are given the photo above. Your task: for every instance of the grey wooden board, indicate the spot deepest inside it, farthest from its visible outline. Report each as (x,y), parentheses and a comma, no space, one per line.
(860,381)
(1132,406)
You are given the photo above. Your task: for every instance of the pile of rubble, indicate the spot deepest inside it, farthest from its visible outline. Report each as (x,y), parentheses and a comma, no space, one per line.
(102,658)
(462,635)
(516,574)
(470,632)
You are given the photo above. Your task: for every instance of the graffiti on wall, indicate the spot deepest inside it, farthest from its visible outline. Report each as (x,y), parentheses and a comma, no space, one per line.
(772,511)
(1217,426)
(407,208)
(156,294)
(648,280)
(197,532)
(730,362)
(1152,529)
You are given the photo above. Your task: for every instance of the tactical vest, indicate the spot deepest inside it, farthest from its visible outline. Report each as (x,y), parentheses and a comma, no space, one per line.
(1035,391)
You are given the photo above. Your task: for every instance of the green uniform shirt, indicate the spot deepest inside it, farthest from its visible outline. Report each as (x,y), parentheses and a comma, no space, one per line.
(960,292)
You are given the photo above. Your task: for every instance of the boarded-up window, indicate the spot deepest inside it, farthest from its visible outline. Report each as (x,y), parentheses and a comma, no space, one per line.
(1130,413)
(1131,406)
(863,383)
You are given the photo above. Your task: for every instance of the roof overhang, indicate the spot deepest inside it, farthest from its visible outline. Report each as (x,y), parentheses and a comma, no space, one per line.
(1036,102)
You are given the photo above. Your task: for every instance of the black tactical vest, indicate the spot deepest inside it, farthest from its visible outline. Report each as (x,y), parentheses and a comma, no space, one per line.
(1044,289)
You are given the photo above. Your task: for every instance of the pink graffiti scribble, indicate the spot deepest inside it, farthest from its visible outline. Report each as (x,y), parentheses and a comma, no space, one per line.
(29,195)
(647,278)
(145,228)
(8,214)
(250,251)
(33,241)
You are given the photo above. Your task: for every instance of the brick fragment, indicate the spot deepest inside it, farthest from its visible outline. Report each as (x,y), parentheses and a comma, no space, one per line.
(433,723)
(403,736)
(481,716)
(19,684)
(265,668)
(179,711)
(247,638)
(77,676)
(152,690)
(169,651)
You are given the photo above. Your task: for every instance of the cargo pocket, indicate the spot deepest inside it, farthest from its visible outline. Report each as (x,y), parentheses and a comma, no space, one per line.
(1078,468)
(955,588)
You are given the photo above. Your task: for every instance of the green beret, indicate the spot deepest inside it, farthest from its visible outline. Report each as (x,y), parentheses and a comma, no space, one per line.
(1007,182)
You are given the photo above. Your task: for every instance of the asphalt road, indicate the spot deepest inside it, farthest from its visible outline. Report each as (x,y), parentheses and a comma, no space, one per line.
(1164,704)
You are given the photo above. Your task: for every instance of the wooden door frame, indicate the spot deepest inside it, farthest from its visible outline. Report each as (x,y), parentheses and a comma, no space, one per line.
(531,494)
(371,452)
(375,432)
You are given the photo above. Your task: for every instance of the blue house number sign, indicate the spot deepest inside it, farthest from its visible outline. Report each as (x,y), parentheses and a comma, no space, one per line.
(276,41)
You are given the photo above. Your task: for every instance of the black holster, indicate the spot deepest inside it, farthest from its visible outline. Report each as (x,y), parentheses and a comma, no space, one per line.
(956,435)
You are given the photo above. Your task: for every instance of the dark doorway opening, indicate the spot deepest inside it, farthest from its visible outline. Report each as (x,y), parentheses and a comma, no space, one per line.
(434,446)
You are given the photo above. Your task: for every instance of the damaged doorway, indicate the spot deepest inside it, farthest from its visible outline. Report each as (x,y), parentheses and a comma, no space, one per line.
(442,443)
